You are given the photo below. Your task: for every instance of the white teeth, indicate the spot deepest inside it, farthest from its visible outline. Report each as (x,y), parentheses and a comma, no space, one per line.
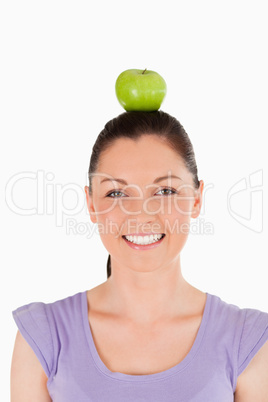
(143,240)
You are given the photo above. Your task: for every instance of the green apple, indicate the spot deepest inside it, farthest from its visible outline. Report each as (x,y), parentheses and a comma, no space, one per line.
(140,90)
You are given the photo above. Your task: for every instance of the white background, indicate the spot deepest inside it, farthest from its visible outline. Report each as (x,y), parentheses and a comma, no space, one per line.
(60,61)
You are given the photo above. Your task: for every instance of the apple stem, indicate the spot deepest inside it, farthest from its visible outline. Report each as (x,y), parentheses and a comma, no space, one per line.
(144,71)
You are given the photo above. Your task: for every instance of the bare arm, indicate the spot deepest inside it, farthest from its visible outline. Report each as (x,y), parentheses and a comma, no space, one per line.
(252,384)
(28,379)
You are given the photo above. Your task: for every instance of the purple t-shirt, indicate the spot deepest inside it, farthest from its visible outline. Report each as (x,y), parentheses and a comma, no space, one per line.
(60,335)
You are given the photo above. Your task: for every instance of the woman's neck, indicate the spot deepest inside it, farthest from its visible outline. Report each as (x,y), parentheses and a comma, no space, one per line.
(148,297)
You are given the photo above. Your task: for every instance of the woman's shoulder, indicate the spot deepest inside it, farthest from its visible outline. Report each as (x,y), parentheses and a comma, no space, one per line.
(68,304)
(44,320)
(228,310)
(238,326)
(44,325)
(243,330)
(41,307)
(231,317)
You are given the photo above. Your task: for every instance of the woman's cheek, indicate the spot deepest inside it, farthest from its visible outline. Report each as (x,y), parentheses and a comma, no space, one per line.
(105,208)
(179,219)
(114,218)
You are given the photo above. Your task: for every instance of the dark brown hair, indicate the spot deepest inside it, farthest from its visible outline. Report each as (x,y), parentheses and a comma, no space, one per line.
(135,124)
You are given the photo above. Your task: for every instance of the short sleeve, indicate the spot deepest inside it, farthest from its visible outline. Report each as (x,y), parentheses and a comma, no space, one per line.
(33,324)
(253,337)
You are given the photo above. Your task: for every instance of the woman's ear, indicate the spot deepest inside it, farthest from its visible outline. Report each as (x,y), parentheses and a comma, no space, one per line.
(90,205)
(198,200)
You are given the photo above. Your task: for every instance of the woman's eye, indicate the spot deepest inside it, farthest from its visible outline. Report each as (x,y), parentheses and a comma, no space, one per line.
(114,192)
(120,194)
(171,191)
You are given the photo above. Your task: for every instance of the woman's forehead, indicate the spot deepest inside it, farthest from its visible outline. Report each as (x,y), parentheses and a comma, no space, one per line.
(147,149)
(129,170)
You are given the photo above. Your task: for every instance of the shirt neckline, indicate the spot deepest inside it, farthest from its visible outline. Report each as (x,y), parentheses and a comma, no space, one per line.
(145,377)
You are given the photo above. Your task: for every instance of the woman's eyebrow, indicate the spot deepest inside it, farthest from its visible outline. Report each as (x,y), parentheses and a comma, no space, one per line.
(157,180)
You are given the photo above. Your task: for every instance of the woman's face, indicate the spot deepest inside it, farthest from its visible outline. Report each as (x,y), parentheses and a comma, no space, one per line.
(147,198)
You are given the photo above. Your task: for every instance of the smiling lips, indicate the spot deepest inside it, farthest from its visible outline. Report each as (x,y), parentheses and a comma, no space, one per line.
(144,239)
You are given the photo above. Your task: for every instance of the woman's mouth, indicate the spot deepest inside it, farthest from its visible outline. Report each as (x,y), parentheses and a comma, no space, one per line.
(144,242)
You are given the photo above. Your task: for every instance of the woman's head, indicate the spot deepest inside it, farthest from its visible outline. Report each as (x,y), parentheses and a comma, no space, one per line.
(133,138)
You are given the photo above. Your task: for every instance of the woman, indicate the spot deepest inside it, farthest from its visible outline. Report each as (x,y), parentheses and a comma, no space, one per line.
(145,334)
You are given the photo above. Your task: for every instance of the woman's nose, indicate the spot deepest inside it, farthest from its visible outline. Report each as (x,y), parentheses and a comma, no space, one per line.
(140,207)
(138,217)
